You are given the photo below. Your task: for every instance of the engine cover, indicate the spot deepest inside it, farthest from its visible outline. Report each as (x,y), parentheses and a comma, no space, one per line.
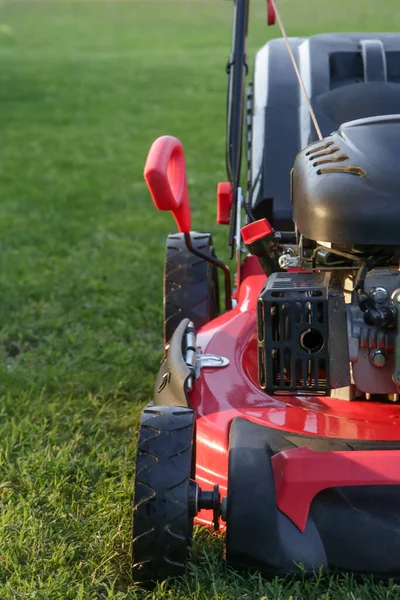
(345,188)
(302,335)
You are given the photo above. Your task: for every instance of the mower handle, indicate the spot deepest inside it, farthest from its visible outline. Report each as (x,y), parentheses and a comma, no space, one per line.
(165,176)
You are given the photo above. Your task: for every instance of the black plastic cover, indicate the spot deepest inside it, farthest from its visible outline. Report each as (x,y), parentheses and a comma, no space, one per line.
(349,529)
(171,388)
(345,189)
(302,335)
(347,76)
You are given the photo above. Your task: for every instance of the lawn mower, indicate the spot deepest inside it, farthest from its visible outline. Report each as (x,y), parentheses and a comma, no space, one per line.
(277,419)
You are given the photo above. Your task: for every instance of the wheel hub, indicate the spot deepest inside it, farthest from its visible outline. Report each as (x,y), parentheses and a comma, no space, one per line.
(205,500)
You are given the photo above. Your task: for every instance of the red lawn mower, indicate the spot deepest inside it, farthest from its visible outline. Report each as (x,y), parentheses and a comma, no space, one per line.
(278,418)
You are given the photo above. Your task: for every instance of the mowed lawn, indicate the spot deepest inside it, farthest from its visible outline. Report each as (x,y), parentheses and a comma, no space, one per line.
(84,90)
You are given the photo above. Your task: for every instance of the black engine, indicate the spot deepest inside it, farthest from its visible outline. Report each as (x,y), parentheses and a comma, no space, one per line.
(333,324)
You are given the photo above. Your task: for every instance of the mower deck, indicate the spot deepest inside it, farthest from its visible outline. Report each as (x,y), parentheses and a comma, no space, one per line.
(312,480)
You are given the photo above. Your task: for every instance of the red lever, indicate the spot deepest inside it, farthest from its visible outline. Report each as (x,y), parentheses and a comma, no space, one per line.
(224,204)
(256,231)
(271,13)
(165,175)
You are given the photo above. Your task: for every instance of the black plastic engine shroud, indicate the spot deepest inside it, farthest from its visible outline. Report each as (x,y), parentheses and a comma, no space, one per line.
(345,188)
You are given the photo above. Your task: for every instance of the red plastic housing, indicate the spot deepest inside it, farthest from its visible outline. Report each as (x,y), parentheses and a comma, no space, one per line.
(256,231)
(300,474)
(224,203)
(220,395)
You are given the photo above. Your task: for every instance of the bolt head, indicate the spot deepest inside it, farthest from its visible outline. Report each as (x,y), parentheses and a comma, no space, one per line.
(380,295)
(283,261)
(377,358)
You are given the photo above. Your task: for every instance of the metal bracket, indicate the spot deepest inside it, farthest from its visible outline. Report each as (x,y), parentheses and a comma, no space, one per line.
(195,360)
(209,361)
(231,63)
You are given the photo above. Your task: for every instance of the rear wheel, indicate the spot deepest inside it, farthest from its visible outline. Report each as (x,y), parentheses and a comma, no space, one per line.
(190,283)
(163,505)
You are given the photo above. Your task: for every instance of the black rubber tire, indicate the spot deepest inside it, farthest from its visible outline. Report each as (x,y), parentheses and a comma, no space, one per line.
(162,523)
(190,283)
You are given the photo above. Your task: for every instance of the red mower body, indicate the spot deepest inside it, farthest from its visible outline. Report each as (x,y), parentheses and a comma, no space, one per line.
(221,395)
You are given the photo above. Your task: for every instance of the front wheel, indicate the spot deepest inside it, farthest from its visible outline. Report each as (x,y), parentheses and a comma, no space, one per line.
(163,512)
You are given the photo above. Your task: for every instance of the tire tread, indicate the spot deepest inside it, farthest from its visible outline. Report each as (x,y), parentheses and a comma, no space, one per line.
(190,283)
(161,523)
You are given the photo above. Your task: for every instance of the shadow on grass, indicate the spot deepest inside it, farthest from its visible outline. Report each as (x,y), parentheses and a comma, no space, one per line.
(210,578)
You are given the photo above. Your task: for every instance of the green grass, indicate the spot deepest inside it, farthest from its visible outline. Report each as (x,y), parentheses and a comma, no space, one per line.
(84,90)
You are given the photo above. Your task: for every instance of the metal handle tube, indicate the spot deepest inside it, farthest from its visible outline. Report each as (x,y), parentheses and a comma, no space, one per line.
(237,69)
